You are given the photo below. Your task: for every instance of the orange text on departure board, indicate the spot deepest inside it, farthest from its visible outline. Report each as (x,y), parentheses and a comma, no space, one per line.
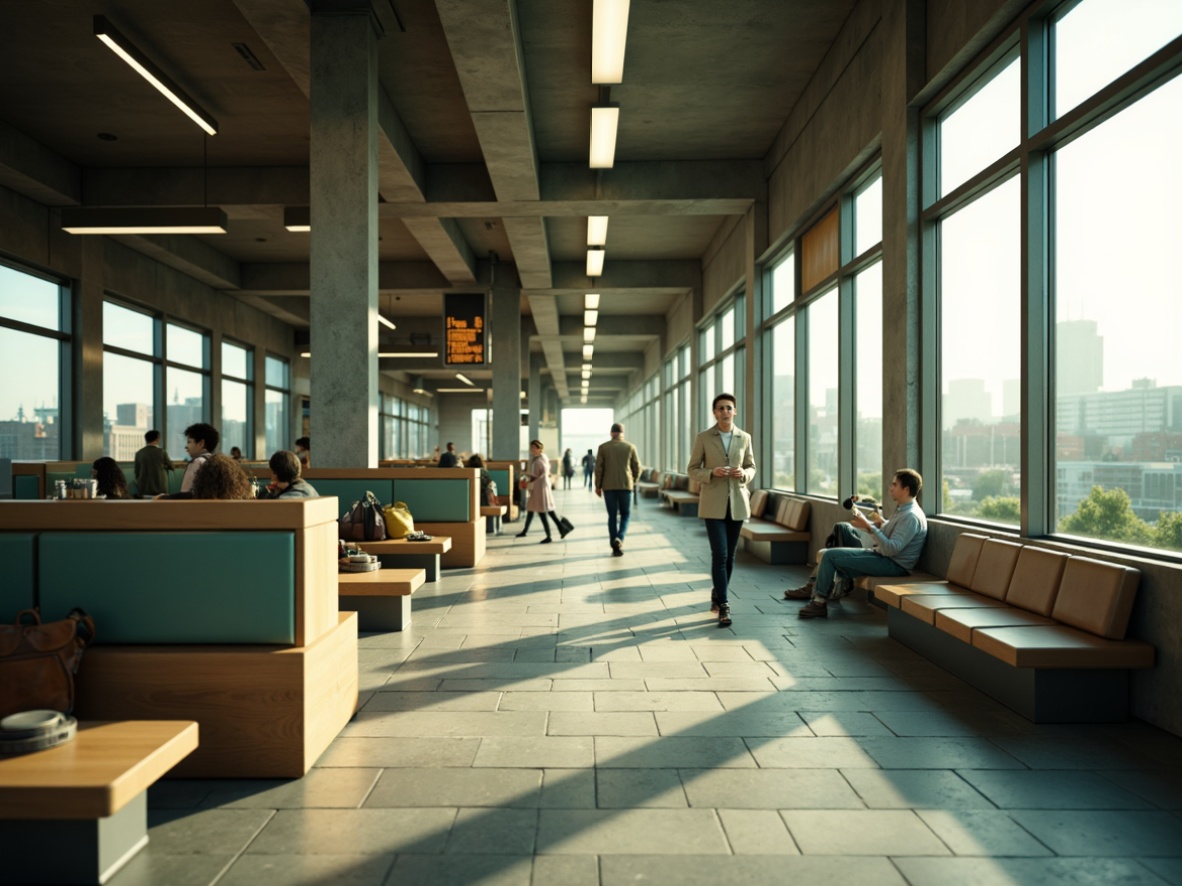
(465,340)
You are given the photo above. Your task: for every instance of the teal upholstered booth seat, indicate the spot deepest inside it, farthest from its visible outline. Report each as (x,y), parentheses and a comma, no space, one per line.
(430,500)
(500,476)
(25,488)
(172,587)
(18,554)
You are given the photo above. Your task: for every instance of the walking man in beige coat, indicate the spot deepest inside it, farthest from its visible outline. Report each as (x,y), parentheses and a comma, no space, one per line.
(617,468)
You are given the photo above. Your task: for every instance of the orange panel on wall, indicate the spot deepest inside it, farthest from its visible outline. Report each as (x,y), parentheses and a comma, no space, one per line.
(819,256)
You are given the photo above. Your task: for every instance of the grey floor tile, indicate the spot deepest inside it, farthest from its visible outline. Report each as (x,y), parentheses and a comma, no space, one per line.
(769,789)
(982,832)
(862,832)
(1160,787)
(400,788)
(309,870)
(407,751)
(568,789)
(204,832)
(565,870)
(639,788)
(941,723)
(675,751)
(1051,789)
(149,868)
(493,832)
(1116,834)
(838,723)
(757,832)
(737,723)
(657,701)
(1025,872)
(560,752)
(320,788)
(702,870)
(432,701)
(630,832)
(555,700)
(938,753)
(622,723)
(803,752)
(1169,869)
(364,831)
(414,724)
(1069,752)
(436,870)
(914,789)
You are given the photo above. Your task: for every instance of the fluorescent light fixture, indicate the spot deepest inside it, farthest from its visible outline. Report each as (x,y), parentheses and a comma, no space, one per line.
(597,230)
(297,219)
(588,334)
(609,31)
(386,322)
(127,51)
(586,367)
(465,379)
(595,259)
(583,399)
(588,350)
(590,318)
(591,301)
(306,354)
(181,220)
(408,353)
(605,120)
(460,390)
(586,374)
(522,394)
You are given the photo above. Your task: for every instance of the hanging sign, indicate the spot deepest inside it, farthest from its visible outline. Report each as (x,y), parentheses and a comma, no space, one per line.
(464,338)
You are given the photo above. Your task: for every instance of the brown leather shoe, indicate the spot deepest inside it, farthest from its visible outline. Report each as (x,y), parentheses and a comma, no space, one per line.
(814,610)
(804,592)
(724,616)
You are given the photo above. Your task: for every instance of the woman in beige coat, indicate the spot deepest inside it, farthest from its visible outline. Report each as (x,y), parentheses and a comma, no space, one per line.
(723,463)
(541,501)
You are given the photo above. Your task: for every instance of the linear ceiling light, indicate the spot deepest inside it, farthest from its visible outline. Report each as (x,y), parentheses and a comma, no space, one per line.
(588,350)
(127,51)
(386,322)
(588,334)
(583,399)
(590,318)
(586,367)
(591,301)
(605,120)
(408,353)
(297,219)
(597,230)
(459,390)
(586,374)
(595,259)
(609,31)
(465,379)
(180,220)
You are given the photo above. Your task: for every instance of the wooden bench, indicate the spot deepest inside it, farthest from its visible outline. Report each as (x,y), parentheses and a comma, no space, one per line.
(1039,630)
(78,812)
(783,539)
(400,553)
(683,502)
(380,598)
(492,517)
(649,484)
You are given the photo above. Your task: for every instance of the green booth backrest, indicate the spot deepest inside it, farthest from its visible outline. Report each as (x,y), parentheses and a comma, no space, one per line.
(430,500)
(25,487)
(172,587)
(18,554)
(500,476)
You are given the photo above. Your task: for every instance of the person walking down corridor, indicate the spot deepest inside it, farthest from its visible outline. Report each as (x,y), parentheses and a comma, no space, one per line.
(568,468)
(723,463)
(617,468)
(588,468)
(541,499)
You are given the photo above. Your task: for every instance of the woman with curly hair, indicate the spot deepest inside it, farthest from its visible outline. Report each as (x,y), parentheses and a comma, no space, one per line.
(111,482)
(222,477)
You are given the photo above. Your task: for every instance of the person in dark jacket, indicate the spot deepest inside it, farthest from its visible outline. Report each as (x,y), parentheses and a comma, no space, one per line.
(152,467)
(286,481)
(449,459)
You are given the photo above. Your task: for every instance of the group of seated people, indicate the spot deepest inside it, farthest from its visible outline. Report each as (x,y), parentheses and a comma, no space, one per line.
(209,475)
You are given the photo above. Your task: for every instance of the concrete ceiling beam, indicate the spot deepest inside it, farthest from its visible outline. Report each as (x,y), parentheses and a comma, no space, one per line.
(189,256)
(36,172)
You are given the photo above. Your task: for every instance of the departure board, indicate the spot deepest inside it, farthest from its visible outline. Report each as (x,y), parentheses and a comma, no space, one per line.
(463,329)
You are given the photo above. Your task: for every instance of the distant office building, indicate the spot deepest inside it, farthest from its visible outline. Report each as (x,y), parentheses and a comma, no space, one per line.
(967,399)
(1118,417)
(1079,357)
(29,440)
(1153,487)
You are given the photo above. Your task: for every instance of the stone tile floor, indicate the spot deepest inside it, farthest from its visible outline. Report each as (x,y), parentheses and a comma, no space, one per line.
(561,716)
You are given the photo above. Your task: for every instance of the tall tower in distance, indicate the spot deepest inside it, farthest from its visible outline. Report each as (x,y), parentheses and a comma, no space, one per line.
(1079,357)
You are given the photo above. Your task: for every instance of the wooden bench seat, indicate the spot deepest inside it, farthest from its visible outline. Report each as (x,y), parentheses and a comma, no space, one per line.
(493,514)
(685,503)
(78,812)
(400,553)
(1039,630)
(785,537)
(380,598)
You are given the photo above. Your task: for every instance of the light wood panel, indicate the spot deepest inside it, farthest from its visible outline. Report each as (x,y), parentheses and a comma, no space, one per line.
(175,515)
(316,571)
(819,253)
(95,775)
(381,582)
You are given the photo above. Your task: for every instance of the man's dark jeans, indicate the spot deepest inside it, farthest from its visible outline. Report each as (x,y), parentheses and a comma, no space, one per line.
(724,540)
(619,507)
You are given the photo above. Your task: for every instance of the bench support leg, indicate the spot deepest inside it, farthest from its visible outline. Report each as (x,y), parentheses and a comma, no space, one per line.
(379,613)
(492,525)
(427,562)
(778,552)
(1043,695)
(73,851)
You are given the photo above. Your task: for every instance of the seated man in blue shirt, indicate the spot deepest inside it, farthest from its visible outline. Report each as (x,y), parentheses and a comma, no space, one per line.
(896,545)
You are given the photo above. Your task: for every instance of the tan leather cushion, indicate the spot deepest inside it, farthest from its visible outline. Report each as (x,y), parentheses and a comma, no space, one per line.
(925,606)
(995,567)
(964,558)
(1096,596)
(892,594)
(1036,578)
(782,506)
(798,515)
(758,502)
(762,530)
(961,623)
(1058,646)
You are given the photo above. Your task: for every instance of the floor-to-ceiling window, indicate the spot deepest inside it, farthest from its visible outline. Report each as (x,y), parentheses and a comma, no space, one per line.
(131,379)
(34,349)
(277,403)
(780,373)
(237,425)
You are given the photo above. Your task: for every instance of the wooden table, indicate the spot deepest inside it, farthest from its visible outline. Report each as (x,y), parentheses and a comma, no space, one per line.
(78,812)
(398,552)
(493,515)
(380,598)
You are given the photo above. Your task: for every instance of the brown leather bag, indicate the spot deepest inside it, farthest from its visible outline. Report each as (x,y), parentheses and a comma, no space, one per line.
(38,661)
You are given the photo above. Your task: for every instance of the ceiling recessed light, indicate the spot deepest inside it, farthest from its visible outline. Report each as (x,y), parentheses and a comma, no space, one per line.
(590,317)
(605,122)
(591,301)
(597,230)
(595,259)
(609,34)
(588,334)
(588,350)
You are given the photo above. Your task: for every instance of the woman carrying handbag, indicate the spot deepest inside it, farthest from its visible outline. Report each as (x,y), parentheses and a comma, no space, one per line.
(541,500)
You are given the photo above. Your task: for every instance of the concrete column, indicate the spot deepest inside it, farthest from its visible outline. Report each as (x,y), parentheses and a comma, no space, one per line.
(536,407)
(902,77)
(506,367)
(344,255)
(86,381)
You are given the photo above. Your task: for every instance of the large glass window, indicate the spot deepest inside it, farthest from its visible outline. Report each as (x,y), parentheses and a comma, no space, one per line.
(130,380)
(1118,307)
(783,288)
(33,348)
(783,404)
(822,406)
(277,403)
(186,383)
(868,381)
(237,399)
(982,127)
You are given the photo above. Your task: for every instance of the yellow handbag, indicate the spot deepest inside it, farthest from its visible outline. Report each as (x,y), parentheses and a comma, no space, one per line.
(399,522)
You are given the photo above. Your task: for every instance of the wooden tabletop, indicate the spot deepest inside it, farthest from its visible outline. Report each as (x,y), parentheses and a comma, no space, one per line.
(97,773)
(381,582)
(439,544)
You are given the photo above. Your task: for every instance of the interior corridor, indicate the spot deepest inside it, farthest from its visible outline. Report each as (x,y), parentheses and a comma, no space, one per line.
(561,716)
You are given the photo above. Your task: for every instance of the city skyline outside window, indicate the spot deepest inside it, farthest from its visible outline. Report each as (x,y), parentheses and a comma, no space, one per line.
(868,467)
(823,364)
(130,381)
(237,399)
(30,417)
(277,404)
